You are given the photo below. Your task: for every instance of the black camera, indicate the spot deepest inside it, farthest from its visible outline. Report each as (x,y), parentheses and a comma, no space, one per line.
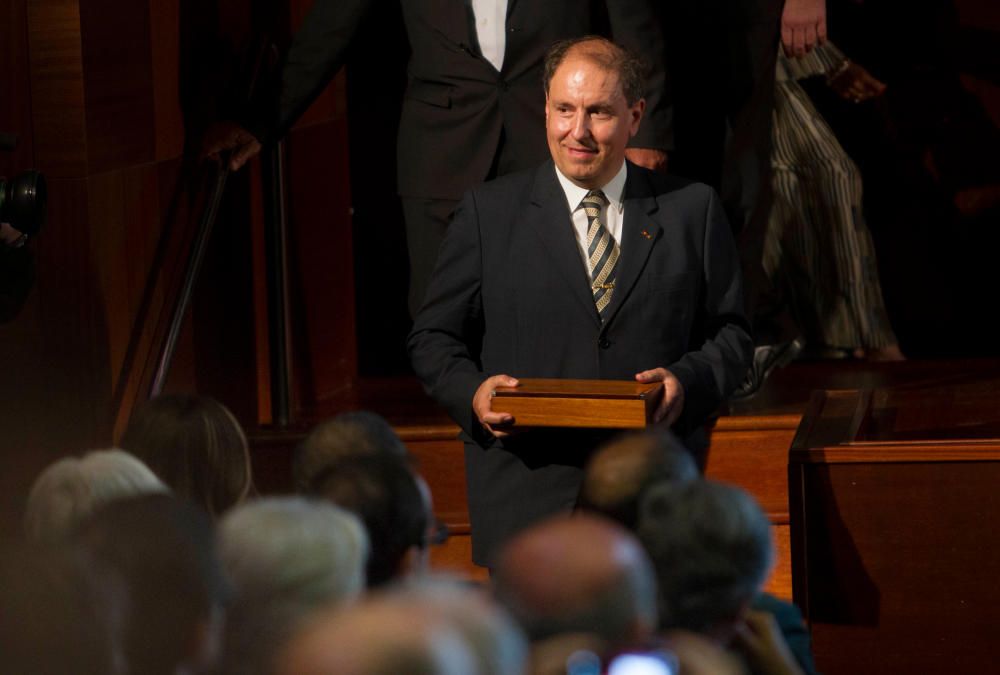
(22,202)
(23,197)
(22,213)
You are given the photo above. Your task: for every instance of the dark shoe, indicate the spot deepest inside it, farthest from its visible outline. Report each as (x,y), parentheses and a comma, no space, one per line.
(766,359)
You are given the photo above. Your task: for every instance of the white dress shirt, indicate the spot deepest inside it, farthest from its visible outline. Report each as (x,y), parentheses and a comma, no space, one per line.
(613,215)
(490,18)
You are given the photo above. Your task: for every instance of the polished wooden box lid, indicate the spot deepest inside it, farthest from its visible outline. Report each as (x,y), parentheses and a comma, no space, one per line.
(593,404)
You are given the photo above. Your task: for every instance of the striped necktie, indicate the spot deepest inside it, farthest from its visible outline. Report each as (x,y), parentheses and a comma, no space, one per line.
(602,250)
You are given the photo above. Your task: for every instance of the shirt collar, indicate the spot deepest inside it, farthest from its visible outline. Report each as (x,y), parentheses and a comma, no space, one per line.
(614,190)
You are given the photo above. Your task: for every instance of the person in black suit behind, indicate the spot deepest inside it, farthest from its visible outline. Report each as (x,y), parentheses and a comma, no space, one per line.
(523,286)
(473,105)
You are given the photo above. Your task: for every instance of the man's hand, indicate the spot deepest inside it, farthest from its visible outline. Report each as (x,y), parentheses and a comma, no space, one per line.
(482,405)
(654,160)
(672,403)
(854,83)
(229,137)
(759,638)
(803,26)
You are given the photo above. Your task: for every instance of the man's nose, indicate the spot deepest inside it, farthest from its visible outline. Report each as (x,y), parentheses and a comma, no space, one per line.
(581,125)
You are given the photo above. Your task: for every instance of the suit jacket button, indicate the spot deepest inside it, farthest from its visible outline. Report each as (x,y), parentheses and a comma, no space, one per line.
(502,84)
(604,343)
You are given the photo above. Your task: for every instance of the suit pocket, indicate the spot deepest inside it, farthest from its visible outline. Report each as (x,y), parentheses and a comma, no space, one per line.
(431,93)
(671,284)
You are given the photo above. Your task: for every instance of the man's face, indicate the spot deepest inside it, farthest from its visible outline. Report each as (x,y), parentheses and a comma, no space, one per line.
(588,122)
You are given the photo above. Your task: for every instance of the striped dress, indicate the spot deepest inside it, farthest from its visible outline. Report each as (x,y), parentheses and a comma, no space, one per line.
(818,249)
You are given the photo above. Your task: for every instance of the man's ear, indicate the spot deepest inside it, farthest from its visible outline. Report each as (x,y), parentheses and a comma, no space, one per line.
(635,112)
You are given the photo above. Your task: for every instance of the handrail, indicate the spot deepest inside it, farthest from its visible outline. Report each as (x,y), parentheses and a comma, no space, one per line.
(191,273)
(278,306)
(155,332)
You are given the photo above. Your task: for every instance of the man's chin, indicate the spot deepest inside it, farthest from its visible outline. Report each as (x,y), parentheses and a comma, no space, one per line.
(579,173)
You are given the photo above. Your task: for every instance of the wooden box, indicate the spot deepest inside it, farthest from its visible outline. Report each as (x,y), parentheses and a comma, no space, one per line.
(590,404)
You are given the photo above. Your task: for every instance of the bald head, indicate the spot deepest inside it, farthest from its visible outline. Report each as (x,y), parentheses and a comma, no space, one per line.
(603,53)
(621,472)
(578,574)
(380,636)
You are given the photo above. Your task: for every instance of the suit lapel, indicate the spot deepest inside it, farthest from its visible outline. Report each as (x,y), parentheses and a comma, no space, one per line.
(639,233)
(548,215)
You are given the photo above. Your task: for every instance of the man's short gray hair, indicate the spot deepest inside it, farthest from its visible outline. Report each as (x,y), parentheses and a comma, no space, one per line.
(72,488)
(286,558)
(496,641)
(711,547)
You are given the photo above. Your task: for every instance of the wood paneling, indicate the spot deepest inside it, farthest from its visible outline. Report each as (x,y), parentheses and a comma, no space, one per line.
(164,35)
(895,552)
(57,90)
(321,265)
(127,205)
(118,83)
(902,564)
(15,98)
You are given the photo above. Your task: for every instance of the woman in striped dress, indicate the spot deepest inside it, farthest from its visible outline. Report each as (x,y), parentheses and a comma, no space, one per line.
(818,249)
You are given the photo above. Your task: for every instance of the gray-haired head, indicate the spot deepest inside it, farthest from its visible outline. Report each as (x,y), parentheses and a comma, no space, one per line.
(346,435)
(72,488)
(711,547)
(496,641)
(287,558)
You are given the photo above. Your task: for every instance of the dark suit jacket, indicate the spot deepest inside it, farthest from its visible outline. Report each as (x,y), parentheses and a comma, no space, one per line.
(510,294)
(456,103)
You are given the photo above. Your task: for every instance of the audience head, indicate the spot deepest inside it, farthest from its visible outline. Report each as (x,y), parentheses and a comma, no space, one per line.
(497,643)
(620,472)
(380,636)
(287,558)
(386,495)
(59,613)
(164,551)
(196,446)
(346,435)
(69,490)
(578,574)
(711,546)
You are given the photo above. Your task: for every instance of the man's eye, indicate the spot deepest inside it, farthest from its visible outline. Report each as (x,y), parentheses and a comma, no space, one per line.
(601,115)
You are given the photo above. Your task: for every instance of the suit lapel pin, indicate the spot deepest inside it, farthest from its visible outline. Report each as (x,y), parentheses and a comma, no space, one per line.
(646,234)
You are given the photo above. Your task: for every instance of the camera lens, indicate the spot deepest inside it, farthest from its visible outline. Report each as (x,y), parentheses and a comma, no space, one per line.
(22,202)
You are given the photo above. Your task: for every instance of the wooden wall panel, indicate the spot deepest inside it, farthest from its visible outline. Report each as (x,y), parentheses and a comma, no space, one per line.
(126,205)
(15,98)
(321,264)
(57,91)
(74,329)
(168,127)
(118,83)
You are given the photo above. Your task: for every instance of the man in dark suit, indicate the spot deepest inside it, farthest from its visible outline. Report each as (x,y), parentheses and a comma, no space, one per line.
(473,104)
(585,267)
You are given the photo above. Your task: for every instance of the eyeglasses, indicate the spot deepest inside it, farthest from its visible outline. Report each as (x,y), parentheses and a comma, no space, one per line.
(437,533)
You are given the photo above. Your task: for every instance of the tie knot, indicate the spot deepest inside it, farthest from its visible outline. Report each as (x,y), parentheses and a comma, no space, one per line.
(594,198)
